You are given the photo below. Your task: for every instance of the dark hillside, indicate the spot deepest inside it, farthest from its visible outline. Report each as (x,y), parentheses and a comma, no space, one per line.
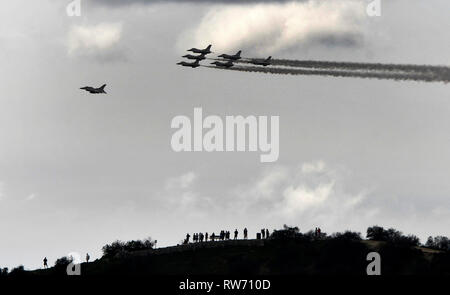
(268,257)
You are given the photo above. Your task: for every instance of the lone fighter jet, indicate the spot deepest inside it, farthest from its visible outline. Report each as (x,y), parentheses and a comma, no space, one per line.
(264,63)
(196,57)
(237,56)
(193,65)
(205,51)
(227,64)
(95,90)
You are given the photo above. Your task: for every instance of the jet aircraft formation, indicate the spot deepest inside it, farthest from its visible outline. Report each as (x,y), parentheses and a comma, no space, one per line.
(423,73)
(226,60)
(299,67)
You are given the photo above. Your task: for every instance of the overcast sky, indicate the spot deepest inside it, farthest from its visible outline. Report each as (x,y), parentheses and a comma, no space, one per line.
(78,171)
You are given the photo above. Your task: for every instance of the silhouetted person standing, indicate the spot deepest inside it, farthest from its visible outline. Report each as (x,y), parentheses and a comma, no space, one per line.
(87,257)
(206,237)
(263,233)
(245,233)
(45,262)
(267,233)
(187,238)
(236,234)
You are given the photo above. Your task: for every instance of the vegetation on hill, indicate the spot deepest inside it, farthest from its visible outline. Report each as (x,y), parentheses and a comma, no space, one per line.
(117,247)
(285,251)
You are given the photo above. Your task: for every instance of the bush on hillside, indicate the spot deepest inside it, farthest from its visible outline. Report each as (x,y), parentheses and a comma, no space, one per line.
(378,233)
(438,243)
(111,250)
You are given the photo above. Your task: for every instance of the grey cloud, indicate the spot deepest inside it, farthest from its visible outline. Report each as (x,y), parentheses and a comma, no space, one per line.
(101,42)
(277,28)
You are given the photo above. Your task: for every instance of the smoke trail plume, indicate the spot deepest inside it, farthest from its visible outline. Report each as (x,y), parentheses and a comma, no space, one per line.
(412,76)
(361,66)
(442,71)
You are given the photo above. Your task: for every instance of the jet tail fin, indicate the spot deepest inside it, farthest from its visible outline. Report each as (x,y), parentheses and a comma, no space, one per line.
(239,53)
(269,58)
(209,47)
(103,87)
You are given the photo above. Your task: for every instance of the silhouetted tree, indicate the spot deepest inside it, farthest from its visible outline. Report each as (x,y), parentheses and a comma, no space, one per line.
(63,262)
(442,243)
(112,249)
(134,245)
(393,236)
(438,243)
(130,246)
(376,233)
(289,228)
(309,235)
(347,236)
(286,233)
(430,242)
(4,272)
(17,271)
(407,241)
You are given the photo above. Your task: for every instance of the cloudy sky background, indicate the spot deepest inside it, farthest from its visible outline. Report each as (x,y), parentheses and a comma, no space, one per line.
(78,171)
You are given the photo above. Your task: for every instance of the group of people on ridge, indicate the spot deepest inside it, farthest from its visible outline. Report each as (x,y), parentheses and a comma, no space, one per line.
(222,236)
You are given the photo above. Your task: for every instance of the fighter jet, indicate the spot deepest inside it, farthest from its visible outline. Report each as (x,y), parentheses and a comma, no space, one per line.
(264,63)
(95,90)
(227,64)
(193,65)
(237,56)
(205,51)
(196,57)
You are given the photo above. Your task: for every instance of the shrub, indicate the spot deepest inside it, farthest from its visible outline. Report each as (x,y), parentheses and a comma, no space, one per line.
(111,250)
(4,272)
(376,233)
(438,243)
(63,262)
(347,236)
(287,233)
(393,236)
(17,271)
